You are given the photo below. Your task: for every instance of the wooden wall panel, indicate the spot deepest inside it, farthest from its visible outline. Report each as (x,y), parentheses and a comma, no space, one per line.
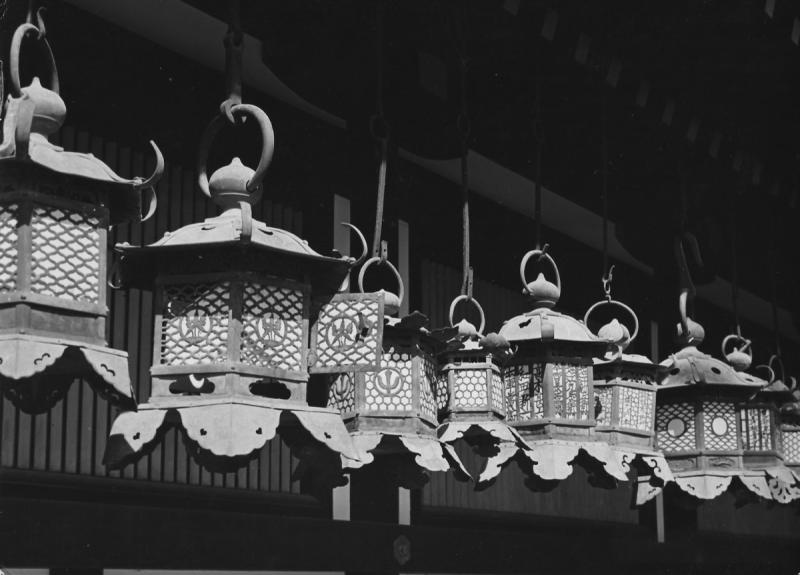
(71,437)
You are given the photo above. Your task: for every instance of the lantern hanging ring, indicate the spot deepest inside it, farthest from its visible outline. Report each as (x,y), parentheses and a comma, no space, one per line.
(16,44)
(737,338)
(542,255)
(467,298)
(267,146)
(619,304)
(770,372)
(379,261)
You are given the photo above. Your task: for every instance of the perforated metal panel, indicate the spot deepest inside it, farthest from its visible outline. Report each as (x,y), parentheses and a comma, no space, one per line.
(570,391)
(390,388)
(791,445)
(470,389)
(498,396)
(442,391)
(606,397)
(272,326)
(8,247)
(342,394)
(719,426)
(65,259)
(523,392)
(756,428)
(636,408)
(194,326)
(426,382)
(678,412)
(347,334)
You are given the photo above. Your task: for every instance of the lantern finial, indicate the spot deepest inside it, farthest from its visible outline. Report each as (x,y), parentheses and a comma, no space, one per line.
(543,292)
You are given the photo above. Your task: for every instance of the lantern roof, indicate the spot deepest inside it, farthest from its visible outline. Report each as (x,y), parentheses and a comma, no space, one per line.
(33,113)
(544,323)
(227,242)
(690,366)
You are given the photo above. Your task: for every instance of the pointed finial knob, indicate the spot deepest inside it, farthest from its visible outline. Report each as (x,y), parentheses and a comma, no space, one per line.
(49,109)
(228,185)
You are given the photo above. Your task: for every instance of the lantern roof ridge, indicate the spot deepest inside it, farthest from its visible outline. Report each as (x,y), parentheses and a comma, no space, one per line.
(690,366)
(545,323)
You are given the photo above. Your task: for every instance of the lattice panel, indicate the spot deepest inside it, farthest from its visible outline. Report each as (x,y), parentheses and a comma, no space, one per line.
(524,400)
(570,391)
(498,395)
(390,389)
(426,382)
(347,332)
(8,247)
(675,416)
(606,397)
(194,326)
(272,327)
(756,426)
(636,408)
(714,414)
(470,389)
(791,445)
(442,391)
(65,261)
(342,394)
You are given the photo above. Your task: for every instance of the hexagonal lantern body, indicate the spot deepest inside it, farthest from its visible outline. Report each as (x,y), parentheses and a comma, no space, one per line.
(244,312)
(710,431)
(55,208)
(625,388)
(398,397)
(549,381)
(470,384)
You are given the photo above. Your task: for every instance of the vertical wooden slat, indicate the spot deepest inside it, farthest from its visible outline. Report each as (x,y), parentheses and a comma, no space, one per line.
(56,437)
(41,443)
(252,471)
(72,428)
(24,432)
(8,444)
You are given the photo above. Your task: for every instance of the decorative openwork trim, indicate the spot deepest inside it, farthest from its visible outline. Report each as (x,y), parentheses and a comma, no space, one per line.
(226,429)
(430,453)
(23,356)
(553,460)
(778,484)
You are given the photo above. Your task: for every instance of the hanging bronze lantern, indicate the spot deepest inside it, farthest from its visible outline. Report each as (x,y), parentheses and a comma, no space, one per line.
(625,388)
(550,386)
(790,426)
(471,394)
(236,332)
(55,208)
(390,410)
(698,421)
(761,430)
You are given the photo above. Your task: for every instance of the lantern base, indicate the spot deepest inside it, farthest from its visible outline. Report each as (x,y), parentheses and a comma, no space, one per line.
(624,438)
(231,428)
(777,484)
(35,371)
(429,455)
(401,424)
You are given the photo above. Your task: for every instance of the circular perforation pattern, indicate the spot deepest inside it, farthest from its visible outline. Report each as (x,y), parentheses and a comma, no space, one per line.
(272,326)
(400,399)
(342,394)
(719,426)
(470,389)
(201,312)
(666,440)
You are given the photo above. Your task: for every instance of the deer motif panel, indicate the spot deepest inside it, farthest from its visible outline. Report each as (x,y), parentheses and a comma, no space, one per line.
(272,327)
(342,393)
(605,395)
(194,327)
